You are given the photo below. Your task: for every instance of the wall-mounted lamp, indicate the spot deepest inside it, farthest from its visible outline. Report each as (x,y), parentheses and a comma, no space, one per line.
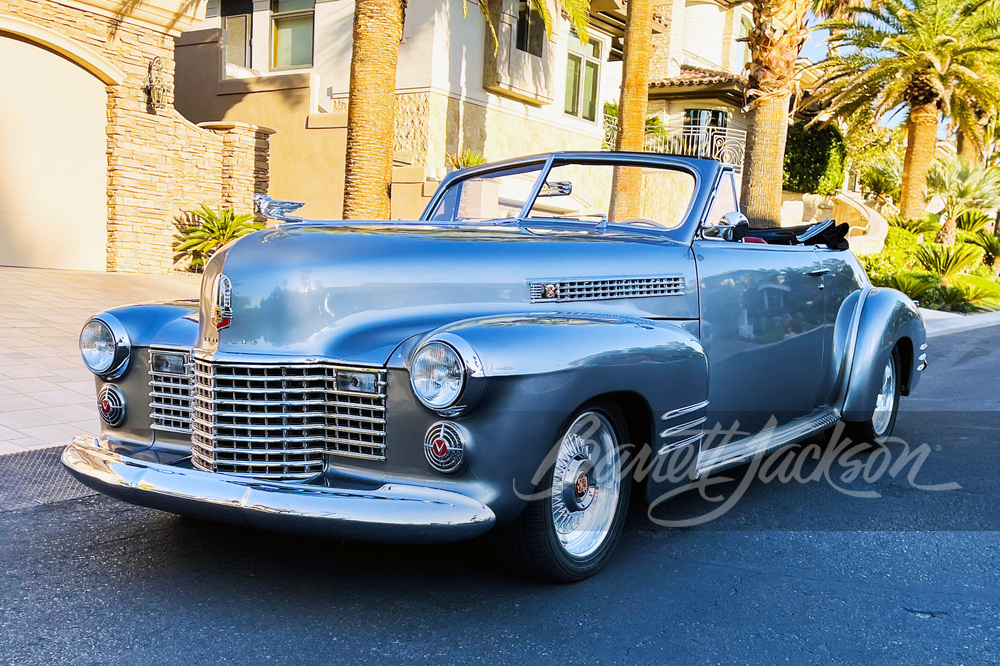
(154,87)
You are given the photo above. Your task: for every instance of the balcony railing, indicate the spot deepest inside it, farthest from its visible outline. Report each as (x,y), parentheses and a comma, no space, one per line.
(723,144)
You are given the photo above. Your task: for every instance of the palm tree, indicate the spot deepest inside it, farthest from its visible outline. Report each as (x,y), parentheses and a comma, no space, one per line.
(833,10)
(626,198)
(371,102)
(912,53)
(371,99)
(962,188)
(779,31)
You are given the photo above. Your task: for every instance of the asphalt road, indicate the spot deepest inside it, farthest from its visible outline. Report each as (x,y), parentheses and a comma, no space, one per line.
(793,572)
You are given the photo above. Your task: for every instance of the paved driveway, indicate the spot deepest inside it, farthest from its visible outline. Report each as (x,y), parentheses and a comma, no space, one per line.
(46,393)
(795,573)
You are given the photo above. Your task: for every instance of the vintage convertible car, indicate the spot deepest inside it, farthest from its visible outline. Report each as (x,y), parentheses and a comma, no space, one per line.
(497,366)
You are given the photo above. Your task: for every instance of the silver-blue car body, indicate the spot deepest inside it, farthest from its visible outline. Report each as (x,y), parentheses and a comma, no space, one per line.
(442,379)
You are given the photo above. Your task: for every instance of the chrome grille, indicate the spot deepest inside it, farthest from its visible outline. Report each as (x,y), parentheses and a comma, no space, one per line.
(279,420)
(558,291)
(170,396)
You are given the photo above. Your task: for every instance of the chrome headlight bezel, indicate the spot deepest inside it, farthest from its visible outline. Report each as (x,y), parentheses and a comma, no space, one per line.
(122,347)
(472,370)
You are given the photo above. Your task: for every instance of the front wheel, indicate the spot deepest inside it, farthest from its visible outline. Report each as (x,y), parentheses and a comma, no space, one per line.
(570,528)
(878,428)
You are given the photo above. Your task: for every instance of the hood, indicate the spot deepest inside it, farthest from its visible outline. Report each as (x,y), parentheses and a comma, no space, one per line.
(354,292)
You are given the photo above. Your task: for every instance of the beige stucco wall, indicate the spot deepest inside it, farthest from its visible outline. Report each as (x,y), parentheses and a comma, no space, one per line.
(53,171)
(308,147)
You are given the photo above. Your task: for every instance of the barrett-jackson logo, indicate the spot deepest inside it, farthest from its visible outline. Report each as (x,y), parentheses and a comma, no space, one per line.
(222,310)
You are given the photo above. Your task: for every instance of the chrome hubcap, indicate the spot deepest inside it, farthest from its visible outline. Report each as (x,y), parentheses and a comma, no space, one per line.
(586,484)
(885,402)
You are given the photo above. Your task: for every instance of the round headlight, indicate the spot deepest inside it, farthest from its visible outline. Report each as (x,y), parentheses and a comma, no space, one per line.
(104,346)
(97,346)
(437,375)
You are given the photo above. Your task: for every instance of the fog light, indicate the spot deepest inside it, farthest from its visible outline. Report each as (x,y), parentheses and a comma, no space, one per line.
(357,382)
(444,446)
(111,405)
(168,363)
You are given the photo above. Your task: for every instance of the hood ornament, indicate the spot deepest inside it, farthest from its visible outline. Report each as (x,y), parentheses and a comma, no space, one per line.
(275,209)
(222,297)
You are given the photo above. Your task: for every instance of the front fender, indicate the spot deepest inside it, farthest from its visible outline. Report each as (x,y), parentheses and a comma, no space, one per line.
(539,369)
(887,318)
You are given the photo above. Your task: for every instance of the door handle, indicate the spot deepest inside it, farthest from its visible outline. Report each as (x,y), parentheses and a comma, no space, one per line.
(818,272)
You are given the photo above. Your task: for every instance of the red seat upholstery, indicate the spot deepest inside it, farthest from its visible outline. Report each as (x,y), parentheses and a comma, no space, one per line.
(754,239)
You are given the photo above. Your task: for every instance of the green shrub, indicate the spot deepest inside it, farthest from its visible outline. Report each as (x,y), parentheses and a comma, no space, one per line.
(463,159)
(814,159)
(896,256)
(947,261)
(913,285)
(882,177)
(972,220)
(990,244)
(203,231)
(925,225)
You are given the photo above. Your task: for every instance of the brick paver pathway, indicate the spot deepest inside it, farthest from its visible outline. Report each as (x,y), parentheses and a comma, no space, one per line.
(46,394)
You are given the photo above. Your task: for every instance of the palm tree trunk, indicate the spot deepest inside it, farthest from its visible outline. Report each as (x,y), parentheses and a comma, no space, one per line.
(626,191)
(921,142)
(948,231)
(996,267)
(763,162)
(967,149)
(779,31)
(378,29)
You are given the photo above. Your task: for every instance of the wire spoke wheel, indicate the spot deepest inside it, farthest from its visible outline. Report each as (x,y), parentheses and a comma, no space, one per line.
(585,485)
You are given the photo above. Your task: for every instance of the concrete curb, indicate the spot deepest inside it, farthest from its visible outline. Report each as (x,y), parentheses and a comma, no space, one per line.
(959,323)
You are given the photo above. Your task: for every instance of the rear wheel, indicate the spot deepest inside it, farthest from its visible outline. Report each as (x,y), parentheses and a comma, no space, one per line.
(570,530)
(878,428)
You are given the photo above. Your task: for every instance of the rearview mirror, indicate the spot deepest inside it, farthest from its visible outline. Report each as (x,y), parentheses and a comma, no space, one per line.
(559,188)
(733,227)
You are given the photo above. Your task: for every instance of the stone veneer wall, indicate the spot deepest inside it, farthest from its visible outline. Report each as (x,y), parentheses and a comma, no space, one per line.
(159,164)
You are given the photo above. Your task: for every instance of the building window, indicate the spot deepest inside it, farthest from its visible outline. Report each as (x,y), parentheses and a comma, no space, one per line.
(705,118)
(292,33)
(236,20)
(530,35)
(583,73)
(745,27)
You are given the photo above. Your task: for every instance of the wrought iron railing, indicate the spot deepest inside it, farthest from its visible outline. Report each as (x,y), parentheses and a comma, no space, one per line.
(715,143)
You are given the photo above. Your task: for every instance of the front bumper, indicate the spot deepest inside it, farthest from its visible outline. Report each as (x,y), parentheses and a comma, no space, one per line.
(393,513)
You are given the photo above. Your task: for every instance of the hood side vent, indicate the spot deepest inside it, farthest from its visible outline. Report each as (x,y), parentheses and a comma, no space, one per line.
(600,289)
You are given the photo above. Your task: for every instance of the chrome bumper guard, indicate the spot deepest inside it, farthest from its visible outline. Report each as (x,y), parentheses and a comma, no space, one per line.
(394,513)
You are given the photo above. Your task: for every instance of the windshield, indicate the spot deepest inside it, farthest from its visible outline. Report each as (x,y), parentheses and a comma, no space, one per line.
(649,195)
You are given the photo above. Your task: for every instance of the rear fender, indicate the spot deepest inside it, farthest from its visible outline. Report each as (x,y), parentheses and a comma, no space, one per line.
(887,317)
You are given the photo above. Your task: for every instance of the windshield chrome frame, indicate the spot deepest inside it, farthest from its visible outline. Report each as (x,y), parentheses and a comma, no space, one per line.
(704,172)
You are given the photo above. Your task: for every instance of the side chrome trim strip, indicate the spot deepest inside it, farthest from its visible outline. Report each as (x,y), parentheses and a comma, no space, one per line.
(684,410)
(678,429)
(764,442)
(667,448)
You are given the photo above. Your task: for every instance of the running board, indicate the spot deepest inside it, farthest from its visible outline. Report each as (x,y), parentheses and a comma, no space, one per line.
(764,442)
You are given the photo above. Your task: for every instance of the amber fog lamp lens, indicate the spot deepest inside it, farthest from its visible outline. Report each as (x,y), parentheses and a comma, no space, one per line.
(97,346)
(437,375)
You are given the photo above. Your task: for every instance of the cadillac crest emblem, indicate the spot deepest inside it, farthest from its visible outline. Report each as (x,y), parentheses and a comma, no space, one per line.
(222,310)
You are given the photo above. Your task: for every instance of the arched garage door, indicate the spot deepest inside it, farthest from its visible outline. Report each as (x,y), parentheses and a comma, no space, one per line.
(53,161)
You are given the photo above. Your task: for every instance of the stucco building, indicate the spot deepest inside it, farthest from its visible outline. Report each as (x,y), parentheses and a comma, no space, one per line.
(455,90)
(95,163)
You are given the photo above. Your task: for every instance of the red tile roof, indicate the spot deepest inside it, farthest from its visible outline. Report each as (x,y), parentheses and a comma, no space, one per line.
(697,76)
